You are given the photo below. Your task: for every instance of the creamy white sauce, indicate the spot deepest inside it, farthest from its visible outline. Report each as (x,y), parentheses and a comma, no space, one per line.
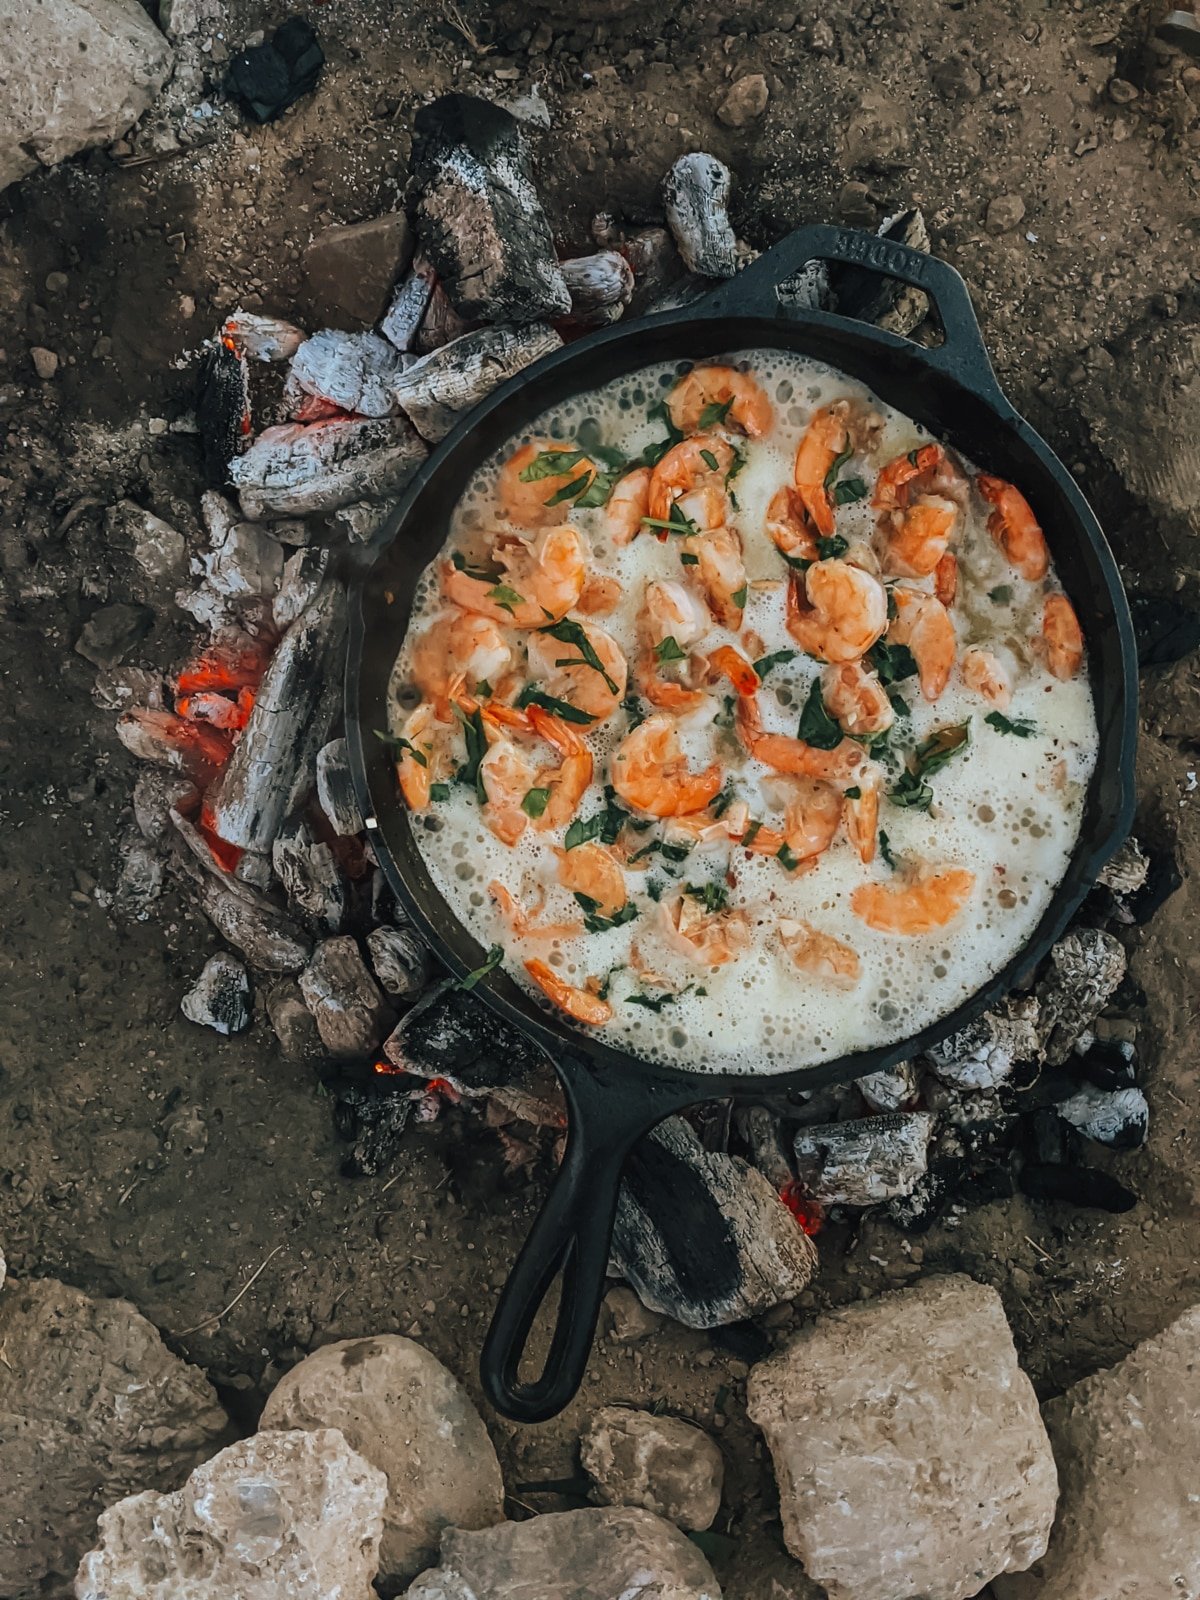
(1000,808)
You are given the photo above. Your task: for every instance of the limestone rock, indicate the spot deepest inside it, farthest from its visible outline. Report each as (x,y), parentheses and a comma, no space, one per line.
(909,1452)
(660,1463)
(1126,1441)
(280,1516)
(92,1406)
(630,1319)
(745,102)
(618,1553)
(77,73)
(408,1416)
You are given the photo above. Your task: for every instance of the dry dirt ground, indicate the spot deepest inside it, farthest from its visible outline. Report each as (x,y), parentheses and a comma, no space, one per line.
(1088,304)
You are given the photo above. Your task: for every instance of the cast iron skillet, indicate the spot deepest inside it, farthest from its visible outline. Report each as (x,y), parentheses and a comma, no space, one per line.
(613,1097)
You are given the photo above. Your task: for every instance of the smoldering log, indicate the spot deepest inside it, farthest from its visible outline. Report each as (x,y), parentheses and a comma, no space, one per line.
(266,936)
(335,789)
(887,302)
(262,338)
(894,1089)
(352,371)
(656,265)
(479,217)
(297,470)
(289,724)
(762,1133)
(984,1053)
(702,1236)
(1086,966)
(436,390)
(303,574)
(372,1119)
(309,874)
(222,410)
(600,287)
(401,961)
(408,307)
(863,1162)
(696,200)
(347,1004)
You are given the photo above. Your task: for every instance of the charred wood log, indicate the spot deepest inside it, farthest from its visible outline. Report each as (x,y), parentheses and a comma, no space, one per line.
(266,936)
(335,789)
(1086,967)
(401,961)
(600,286)
(696,201)
(315,888)
(436,390)
(222,410)
(351,371)
(886,302)
(303,574)
(409,304)
(296,470)
(861,1163)
(348,1007)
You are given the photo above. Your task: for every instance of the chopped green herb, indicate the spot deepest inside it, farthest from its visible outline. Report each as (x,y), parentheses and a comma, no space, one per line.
(933,753)
(735,466)
(817,727)
(606,986)
(477,745)
(658,1001)
(551,464)
(725,718)
(598,491)
(535,802)
(848,491)
(751,833)
(654,889)
(616,460)
(733,499)
(1019,725)
(899,704)
(669,852)
(831,549)
(716,411)
(653,453)
(506,598)
(911,792)
(483,690)
(724,800)
(459,562)
(713,896)
(801,563)
(439,791)
(605,825)
(1001,594)
(595,923)
(395,743)
(885,850)
(893,662)
(709,460)
(914,456)
(687,559)
(784,854)
(669,650)
(852,794)
(632,707)
(739,597)
(568,631)
(495,956)
(675,522)
(893,609)
(569,491)
(839,461)
(531,695)
(779,659)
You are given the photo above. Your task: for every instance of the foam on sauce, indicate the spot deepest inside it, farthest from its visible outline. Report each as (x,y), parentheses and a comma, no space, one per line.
(1008,808)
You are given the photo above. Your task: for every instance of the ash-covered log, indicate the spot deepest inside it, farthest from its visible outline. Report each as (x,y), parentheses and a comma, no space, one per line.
(335,789)
(1086,967)
(479,217)
(220,996)
(656,265)
(267,339)
(437,389)
(303,574)
(702,1236)
(351,371)
(223,409)
(696,201)
(266,936)
(762,1133)
(156,794)
(315,888)
(401,961)
(864,1162)
(887,302)
(600,286)
(894,1089)
(984,1054)
(297,470)
(408,307)
(1119,1118)
(350,1011)
(273,760)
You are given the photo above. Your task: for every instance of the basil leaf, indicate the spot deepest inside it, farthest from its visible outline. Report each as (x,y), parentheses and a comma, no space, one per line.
(885,850)
(1001,594)
(569,491)
(848,491)
(739,597)
(484,690)
(535,802)
(669,650)
(598,491)
(716,411)
(751,833)
(817,727)
(831,549)
(632,707)
(687,559)
(677,523)
(911,792)
(506,598)
(725,717)
(852,794)
(439,791)
(784,854)
(893,662)
(395,743)
(893,610)
(710,460)
(477,747)
(459,562)
(779,659)
(654,889)
(839,462)
(724,800)
(713,896)
(933,753)
(594,923)
(495,956)
(605,825)
(551,464)
(531,695)
(1021,727)
(615,460)
(669,852)
(569,631)
(653,453)
(899,704)
(736,465)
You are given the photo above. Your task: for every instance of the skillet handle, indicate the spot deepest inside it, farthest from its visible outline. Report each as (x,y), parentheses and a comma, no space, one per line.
(754,292)
(570,1238)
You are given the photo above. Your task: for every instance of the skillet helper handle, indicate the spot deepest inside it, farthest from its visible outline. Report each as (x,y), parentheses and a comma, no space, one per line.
(570,1238)
(754,292)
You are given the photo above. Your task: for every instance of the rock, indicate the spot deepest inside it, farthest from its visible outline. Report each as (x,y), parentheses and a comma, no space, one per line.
(45,362)
(292,1021)
(696,200)
(862,1162)
(92,1406)
(139,882)
(119,688)
(351,1014)
(912,1401)
(401,961)
(891,1090)
(1004,213)
(111,633)
(158,548)
(660,1463)
(956,79)
(611,1554)
(77,73)
(409,1417)
(630,1320)
(1126,1441)
(220,996)
(745,102)
(155,794)
(279,1516)
(351,270)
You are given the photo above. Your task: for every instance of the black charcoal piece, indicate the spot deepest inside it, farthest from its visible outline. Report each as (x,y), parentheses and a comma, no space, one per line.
(1109,1064)
(1165,628)
(1119,1118)
(1046,1140)
(222,411)
(1162,880)
(373,1120)
(1078,1186)
(268,78)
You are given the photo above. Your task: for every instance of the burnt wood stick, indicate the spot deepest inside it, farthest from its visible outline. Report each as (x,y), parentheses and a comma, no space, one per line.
(436,389)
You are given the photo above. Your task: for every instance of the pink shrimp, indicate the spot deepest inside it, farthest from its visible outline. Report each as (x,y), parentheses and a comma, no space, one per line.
(811,816)
(915,902)
(728,396)
(627,505)
(581,1004)
(925,626)
(836,611)
(687,468)
(542,580)
(721,569)
(1015,528)
(856,698)
(1062,637)
(650,772)
(831,432)
(462,648)
(983,671)
(525,499)
(818,954)
(711,938)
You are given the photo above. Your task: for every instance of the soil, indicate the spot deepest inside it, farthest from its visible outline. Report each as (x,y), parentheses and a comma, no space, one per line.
(141,1156)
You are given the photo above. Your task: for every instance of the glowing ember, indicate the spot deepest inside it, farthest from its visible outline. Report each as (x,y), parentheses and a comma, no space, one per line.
(388,1069)
(202,749)
(226,855)
(233,661)
(809,1213)
(217,709)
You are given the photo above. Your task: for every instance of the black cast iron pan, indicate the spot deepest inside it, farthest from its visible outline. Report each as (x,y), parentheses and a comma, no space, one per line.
(613,1097)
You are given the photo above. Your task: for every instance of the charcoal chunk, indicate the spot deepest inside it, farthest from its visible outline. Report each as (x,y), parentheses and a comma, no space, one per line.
(696,199)
(220,997)
(268,78)
(1079,1186)
(1119,1118)
(222,411)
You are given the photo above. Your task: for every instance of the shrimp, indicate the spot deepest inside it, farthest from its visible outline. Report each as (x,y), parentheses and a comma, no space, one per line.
(818,954)
(927,470)
(523,922)
(844,426)
(945,579)
(593,871)
(917,902)
(542,580)
(925,626)
(1014,527)
(856,698)
(917,537)
(788,526)
(688,467)
(463,647)
(711,938)
(581,1004)
(507,778)
(739,400)
(650,772)
(601,596)
(669,611)
(722,573)
(836,611)
(811,816)
(1062,637)
(567,676)
(425,756)
(782,753)
(984,672)
(627,505)
(860,812)
(568,781)
(525,500)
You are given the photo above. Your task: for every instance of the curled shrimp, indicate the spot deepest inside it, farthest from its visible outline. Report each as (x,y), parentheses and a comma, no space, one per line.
(846,425)
(983,671)
(917,537)
(581,1004)
(818,954)
(507,777)
(524,501)
(926,627)
(780,751)
(835,610)
(811,816)
(711,938)
(927,470)
(856,699)
(860,812)
(1014,527)
(563,673)
(789,527)
(524,922)
(568,781)
(686,469)
(464,648)
(1062,637)
(727,395)
(627,505)
(669,612)
(594,871)
(650,772)
(542,580)
(601,596)
(916,902)
(425,757)
(721,570)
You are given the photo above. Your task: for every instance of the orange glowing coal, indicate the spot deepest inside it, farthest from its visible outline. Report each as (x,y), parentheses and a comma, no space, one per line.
(226,855)
(217,709)
(235,661)
(389,1069)
(202,749)
(809,1213)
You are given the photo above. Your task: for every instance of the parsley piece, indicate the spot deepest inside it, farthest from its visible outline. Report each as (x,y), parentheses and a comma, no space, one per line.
(439,791)
(477,746)
(569,491)
(1019,726)
(725,718)
(398,745)
(653,453)
(598,491)
(605,825)
(669,852)
(817,727)
(506,598)
(911,792)
(535,802)
(801,563)
(551,464)
(716,411)
(531,695)
(839,461)
(893,662)
(687,559)
(733,501)
(1001,594)
(669,650)
(460,563)
(852,794)
(569,631)
(710,460)
(739,597)
(899,704)
(495,956)
(848,491)
(713,896)
(933,753)
(632,707)
(784,854)
(595,923)
(885,850)
(831,549)
(779,659)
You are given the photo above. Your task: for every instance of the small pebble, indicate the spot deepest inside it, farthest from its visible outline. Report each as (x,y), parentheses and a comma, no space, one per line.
(1122,91)
(956,79)
(45,362)
(745,102)
(56,282)
(1004,212)
(156,426)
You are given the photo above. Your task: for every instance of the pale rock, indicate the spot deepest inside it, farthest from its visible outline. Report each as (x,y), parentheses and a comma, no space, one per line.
(907,1445)
(45,362)
(662,1464)
(292,1021)
(409,1417)
(629,1319)
(279,1516)
(613,1553)
(220,997)
(892,1089)
(158,548)
(351,1013)
(745,102)
(92,1406)
(1126,1441)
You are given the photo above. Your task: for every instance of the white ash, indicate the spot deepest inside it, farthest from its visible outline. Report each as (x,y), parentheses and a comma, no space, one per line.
(309,874)
(155,795)
(893,1089)
(139,882)
(696,199)
(263,338)
(143,743)
(335,789)
(600,286)
(120,688)
(254,868)
(863,1162)
(304,572)
(1086,967)
(246,563)
(295,471)
(361,521)
(408,307)
(1116,1117)
(159,550)
(352,371)
(400,960)
(435,391)
(220,517)
(983,1054)
(220,996)
(1125,872)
